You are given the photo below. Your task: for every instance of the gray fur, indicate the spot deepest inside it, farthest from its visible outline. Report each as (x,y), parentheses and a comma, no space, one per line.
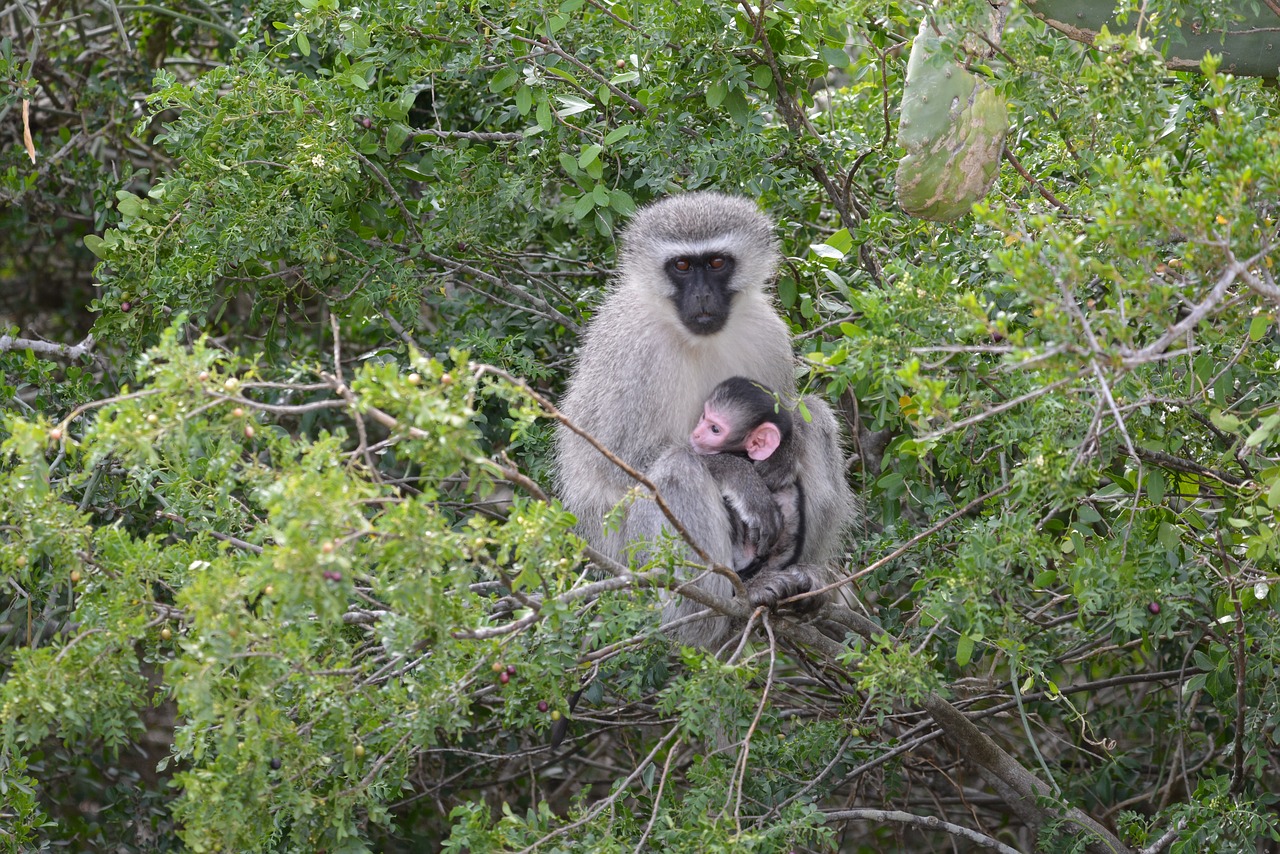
(641,379)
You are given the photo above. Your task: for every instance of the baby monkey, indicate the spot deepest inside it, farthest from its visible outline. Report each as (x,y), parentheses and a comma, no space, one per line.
(751,443)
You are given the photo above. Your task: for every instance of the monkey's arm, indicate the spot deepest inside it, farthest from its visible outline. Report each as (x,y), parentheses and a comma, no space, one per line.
(749,497)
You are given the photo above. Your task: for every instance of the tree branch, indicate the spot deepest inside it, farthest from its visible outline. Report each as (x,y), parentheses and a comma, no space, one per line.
(923,822)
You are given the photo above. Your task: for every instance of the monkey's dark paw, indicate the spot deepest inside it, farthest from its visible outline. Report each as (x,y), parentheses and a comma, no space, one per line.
(772,588)
(761,525)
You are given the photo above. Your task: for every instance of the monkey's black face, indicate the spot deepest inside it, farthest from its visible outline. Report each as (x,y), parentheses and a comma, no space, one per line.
(703,291)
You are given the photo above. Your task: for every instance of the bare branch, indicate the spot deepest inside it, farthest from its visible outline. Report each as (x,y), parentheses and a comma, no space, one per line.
(922,822)
(70,352)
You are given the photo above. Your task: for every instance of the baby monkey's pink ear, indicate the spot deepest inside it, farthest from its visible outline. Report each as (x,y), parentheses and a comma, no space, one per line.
(763,441)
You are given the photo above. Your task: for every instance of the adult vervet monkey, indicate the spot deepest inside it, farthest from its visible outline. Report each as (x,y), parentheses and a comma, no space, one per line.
(689,308)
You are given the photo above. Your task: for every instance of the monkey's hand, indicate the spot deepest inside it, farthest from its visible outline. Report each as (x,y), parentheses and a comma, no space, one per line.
(770,588)
(759,519)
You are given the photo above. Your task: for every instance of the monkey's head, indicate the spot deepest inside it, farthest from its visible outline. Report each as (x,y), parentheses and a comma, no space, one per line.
(742,416)
(699,251)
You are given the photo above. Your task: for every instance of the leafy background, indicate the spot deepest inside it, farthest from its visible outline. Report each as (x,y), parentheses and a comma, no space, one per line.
(279,571)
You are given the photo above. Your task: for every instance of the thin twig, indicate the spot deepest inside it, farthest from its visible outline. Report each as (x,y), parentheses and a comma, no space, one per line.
(922,822)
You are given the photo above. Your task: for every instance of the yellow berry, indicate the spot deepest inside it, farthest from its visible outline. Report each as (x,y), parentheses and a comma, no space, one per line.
(75,576)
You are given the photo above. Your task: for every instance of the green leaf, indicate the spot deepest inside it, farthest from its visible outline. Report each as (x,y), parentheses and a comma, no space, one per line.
(571,105)
(716,93)
(739,110)
(304,45)
(964,650)
(1264,432)
(562,74)
(621,202)
(95,244)
(397,133)
(841,240)
(585,204)
(590,154)
(787,291)
(1155,485)
(504,79)
(834,57)
(1085,513)
(1224,421)
(1273,494)
(524,100)
(617,134)
(129,205)
(1258,326)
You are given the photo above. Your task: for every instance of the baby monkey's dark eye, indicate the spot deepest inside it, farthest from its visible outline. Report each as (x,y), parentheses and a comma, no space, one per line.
(682,264)
(716,263)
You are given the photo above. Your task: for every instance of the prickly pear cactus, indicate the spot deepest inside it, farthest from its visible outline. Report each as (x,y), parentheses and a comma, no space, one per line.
(953,127)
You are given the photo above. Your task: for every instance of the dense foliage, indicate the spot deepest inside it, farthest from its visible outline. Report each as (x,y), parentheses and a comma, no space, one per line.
(280,572)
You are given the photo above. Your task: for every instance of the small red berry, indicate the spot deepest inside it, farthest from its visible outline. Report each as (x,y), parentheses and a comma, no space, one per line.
(1154,607)
(504,677)
(511,669)
(126,305)
(542,705)
(366,122)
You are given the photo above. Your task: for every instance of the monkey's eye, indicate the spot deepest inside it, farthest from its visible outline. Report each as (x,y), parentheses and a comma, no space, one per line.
(716,263)
(682,264)
(715,429)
